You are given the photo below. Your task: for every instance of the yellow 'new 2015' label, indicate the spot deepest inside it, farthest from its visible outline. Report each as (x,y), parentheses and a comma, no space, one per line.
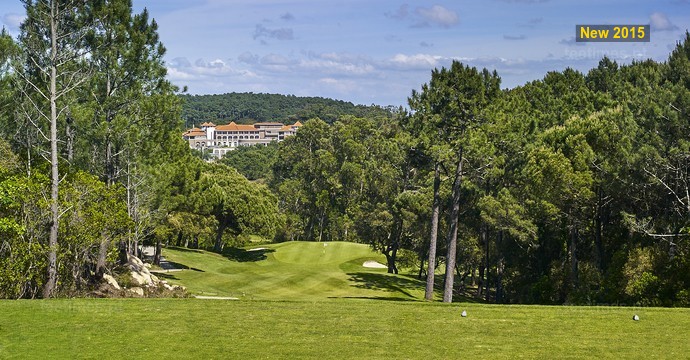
(612,33)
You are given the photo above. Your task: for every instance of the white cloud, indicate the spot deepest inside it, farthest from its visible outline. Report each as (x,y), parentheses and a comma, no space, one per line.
(276,63)
(660,22)
(180,62)
(437,15)
(316,64)
(274,59)
(423,17)
(338,85)
(333,67)
(175,75)
(415,62)
(248,58)
(217,64)
(181,69)
(13,21)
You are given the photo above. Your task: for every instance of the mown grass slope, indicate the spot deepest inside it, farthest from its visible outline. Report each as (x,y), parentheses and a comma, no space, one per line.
(290,271)
(333,329)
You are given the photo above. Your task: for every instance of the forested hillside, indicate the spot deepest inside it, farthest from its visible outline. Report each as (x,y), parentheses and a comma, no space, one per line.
(248,108)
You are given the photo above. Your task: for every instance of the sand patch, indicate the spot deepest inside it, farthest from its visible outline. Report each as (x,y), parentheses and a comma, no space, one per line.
(374,265)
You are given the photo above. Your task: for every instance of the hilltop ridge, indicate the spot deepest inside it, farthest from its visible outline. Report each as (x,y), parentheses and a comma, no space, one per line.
(248,108)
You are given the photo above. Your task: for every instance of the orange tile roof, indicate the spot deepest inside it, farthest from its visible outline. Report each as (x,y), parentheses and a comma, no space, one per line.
(289,127)
(234,127)
(194,133)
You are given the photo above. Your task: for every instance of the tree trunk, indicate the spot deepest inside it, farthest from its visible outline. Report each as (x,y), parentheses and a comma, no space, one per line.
(109,162)
(392,248)
(598,243)
(453,232)
(420,274)
(102,255)
(51,282)
(391,255)
(573,257)
(500,266)
(218,246)
(480,286)
(157,252)
(483,268)
(69,135)
(323,216)
(435,209)
(179,238)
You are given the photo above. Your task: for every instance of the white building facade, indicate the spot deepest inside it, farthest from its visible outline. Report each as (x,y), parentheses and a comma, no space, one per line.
(220,139)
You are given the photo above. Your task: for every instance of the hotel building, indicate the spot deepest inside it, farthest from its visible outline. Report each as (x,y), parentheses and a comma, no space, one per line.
(220,139)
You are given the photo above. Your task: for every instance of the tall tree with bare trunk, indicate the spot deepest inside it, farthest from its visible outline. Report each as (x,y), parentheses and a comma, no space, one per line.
(50,38)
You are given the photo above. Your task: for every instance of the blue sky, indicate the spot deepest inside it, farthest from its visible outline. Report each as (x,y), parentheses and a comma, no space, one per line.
(377,51)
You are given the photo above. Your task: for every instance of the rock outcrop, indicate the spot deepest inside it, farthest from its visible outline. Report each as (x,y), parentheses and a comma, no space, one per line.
(110,280)
(142,283)
(140,273)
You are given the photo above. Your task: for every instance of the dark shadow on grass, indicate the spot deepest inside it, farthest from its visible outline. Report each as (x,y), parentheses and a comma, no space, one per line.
(171,265)
(384,298)
(386,282)
(242,255)
(166,276)
(184,249)
(464,294)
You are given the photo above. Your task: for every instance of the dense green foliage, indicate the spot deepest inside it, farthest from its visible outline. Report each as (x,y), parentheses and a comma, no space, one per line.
(569,189)
(254,162)
(248,108)
(335,329)
(92,163)
(210,205)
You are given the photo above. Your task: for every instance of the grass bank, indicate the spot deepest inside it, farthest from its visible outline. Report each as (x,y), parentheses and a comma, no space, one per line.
(290,271)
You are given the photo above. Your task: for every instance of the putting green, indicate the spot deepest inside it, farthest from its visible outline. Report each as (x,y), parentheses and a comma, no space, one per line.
(292,270)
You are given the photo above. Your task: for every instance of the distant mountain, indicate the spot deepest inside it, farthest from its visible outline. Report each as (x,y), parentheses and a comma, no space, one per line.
(250,108)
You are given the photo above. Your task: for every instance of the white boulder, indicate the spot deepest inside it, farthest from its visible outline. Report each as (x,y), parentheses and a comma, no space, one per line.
(110,280)
(140,273)
(137,291)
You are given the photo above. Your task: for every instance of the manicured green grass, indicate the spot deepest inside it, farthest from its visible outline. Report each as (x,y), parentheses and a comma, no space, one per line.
(322,304)
(290,271)
(333,329)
